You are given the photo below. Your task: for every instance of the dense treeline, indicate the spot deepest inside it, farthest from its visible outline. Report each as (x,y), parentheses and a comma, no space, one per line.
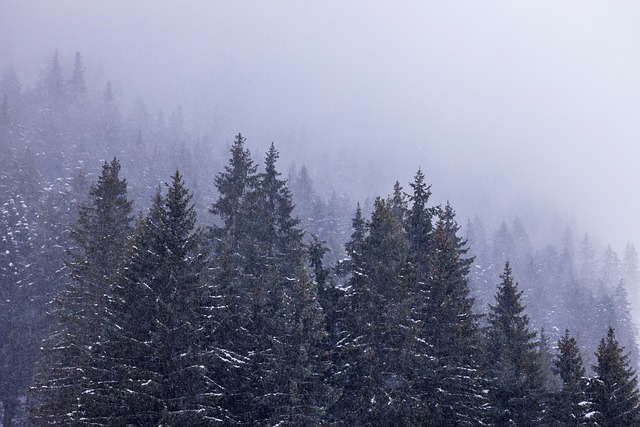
(217,305)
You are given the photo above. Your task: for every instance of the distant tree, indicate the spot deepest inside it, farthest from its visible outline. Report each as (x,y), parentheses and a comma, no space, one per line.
(77,85)
(503,246)
(54,86)
(631,273)
(610,268)
(624,323)
(10,85)
(480,282)
(586,264)
(516,389)
(614,393)
(304,196)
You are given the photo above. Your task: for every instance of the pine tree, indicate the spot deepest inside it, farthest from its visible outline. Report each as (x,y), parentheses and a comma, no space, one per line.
(100,239)
(614,392)
(516,383)
(570,403)
(158,320)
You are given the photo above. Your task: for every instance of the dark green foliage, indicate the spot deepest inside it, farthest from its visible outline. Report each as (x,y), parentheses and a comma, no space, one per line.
(154,349)
(277,337)
(277,240)
(375,354)
(247,334)
(304,365)
(419,224)
(570,403)
(103,226)
(453,381)
(516,387)
(234,184)
(613,392)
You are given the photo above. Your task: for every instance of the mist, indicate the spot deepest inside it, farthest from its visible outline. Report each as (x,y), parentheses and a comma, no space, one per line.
(522,115)
(497,101)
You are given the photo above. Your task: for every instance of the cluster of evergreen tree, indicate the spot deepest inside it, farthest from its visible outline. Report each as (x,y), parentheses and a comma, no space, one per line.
(222,307)
(571,287)
(240,323)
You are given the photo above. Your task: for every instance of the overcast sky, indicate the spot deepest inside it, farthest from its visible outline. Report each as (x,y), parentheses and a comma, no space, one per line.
(498,101)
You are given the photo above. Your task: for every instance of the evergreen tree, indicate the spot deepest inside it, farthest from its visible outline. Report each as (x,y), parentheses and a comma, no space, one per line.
(420,226)
(516,387)
(77,85)
(158,320)
(304,359)
(631,273)
(614,392)
(454,384)
(277,240)
(570,403)
(100,239)
(375,354)
(54,86)
(258,226)
(274,254)
(234,184)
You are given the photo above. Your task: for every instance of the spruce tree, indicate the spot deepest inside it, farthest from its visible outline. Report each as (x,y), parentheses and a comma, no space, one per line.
(570,403)
(77,85)
(259,230)
(275,232)
(158,320)
(100,236)
(304,359)
(613,391)
(453,382)
(375,354)
(234,185)
(516,387)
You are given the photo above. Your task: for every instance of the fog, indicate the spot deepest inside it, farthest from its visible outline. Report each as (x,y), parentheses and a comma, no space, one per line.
(505,105)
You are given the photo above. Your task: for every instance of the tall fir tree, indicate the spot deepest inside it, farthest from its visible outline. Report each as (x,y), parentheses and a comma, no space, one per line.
(155,347)
(100,238)
(516,383)
(570,404)
(234,184)
(454,384)
(304,359)
(614,390)
(376,354)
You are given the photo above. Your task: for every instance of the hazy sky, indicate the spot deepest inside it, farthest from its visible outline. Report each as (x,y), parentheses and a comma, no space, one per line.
(506,99)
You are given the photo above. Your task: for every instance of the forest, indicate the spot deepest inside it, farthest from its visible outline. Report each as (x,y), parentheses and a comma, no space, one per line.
(153,277)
